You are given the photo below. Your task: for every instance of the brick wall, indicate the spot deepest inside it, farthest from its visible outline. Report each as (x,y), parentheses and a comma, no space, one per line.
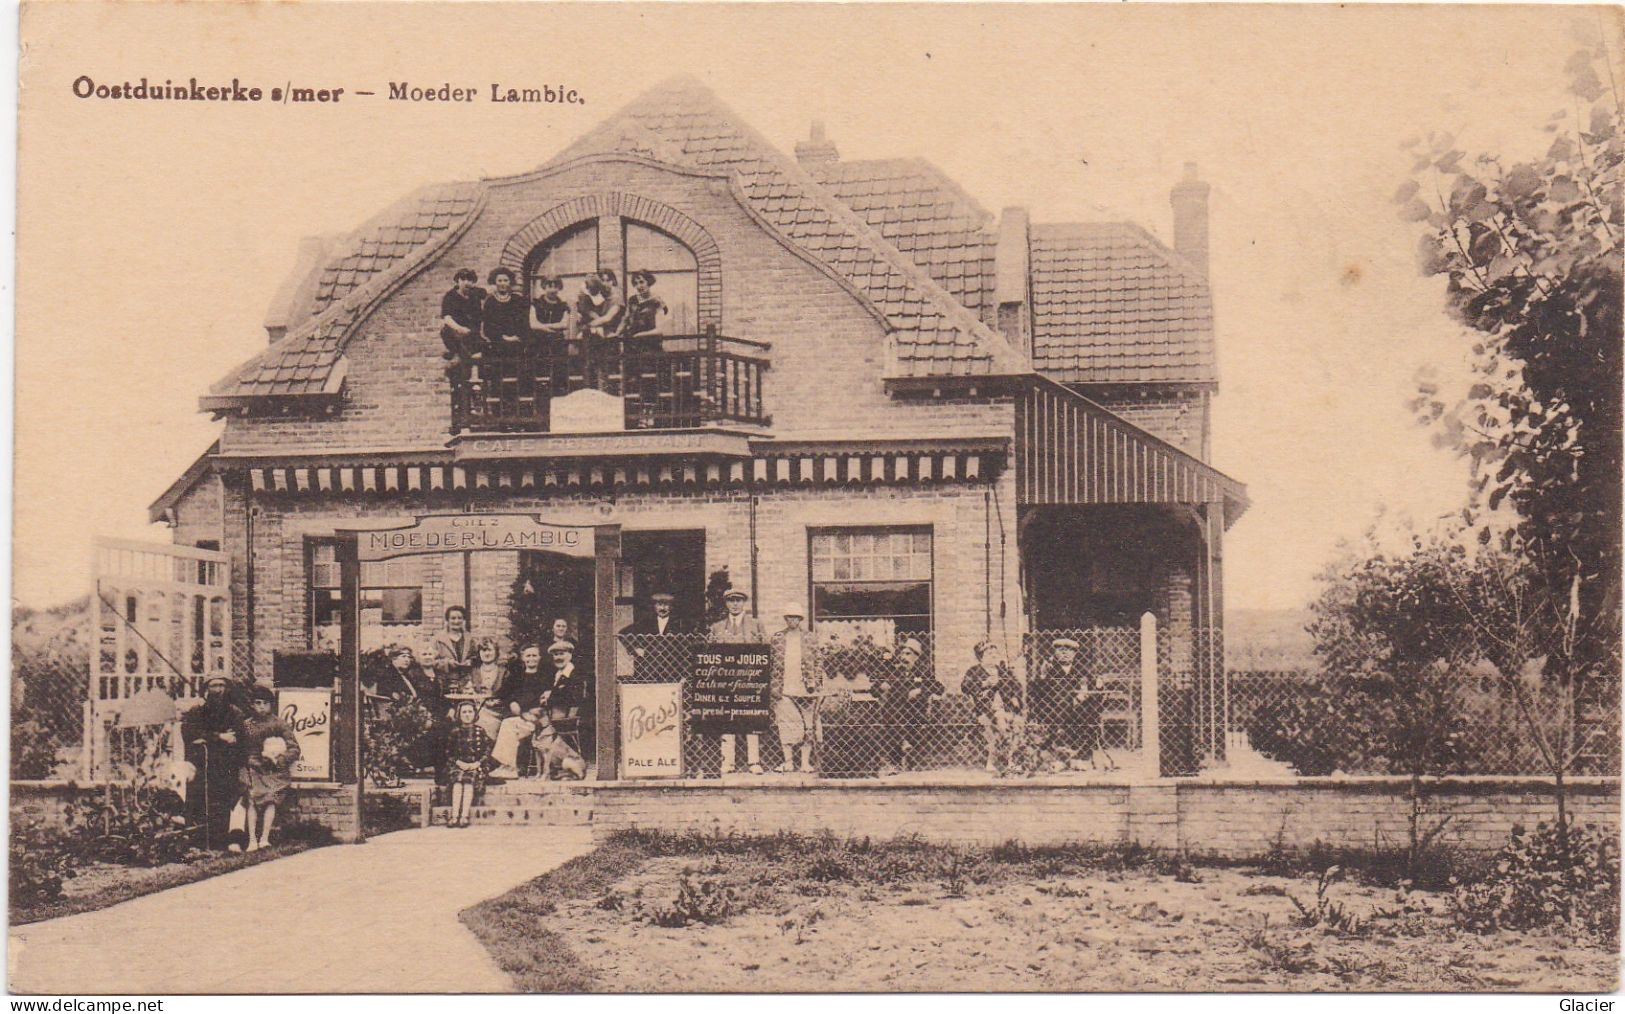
(1182,419)
(968,587)
(327,804)
(828,351)
(1236,820)
(200,514)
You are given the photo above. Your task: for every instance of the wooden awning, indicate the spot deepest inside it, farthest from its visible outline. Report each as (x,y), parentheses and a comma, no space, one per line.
(1070,450)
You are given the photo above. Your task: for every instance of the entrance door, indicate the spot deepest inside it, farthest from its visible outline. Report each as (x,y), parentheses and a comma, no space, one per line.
(671,561)
(555,587)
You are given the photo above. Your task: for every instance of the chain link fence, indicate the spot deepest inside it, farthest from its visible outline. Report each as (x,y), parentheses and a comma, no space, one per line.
(1064,700)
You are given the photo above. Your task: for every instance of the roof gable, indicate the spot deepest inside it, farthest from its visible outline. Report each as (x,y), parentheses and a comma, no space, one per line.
(933,334)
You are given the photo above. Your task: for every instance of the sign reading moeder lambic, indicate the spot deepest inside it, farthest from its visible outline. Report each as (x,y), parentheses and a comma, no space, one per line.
(450,533)
(729,691)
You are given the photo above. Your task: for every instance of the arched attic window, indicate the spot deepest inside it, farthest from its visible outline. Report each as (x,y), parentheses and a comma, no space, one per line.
(576,253)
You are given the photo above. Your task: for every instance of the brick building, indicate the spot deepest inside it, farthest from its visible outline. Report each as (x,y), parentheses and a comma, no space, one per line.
(873,395)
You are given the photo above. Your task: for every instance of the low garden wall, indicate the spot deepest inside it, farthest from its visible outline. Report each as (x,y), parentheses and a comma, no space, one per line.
(1233,819)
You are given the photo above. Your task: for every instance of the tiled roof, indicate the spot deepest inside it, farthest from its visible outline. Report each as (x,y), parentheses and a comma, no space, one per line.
(381,243)
(683,122)
(1113,305)
(307,360)
(925,215)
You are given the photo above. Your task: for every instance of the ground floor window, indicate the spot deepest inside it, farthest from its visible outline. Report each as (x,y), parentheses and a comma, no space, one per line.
(874,581)
(391,597)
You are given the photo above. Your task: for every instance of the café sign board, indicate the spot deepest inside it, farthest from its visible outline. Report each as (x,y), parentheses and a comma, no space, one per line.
(454,533)
(309,712)
(651,730)
(729,689)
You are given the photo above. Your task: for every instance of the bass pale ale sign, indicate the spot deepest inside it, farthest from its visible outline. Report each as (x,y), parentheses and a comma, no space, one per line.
(309,712)
(651,735)
(456,533)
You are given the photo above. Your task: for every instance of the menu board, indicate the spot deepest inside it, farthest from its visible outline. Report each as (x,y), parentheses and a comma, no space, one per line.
(729,689)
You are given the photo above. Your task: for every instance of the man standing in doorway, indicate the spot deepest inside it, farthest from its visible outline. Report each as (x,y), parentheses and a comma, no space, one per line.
(655,661)
(737,628)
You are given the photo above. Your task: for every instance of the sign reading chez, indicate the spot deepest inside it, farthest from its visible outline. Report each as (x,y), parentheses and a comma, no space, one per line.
(651,735)
(452,533)
(729,691)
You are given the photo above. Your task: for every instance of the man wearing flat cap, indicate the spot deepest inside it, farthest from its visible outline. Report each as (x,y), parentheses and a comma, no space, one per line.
(737,628)
(652,660)
(1062,699)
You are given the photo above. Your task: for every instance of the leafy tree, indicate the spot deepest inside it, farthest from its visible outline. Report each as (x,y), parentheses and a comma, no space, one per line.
(1532,254)
(1394,646)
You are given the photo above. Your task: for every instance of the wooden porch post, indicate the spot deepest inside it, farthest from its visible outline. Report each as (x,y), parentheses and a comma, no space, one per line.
(1150,718)
(348,744)
(606,560)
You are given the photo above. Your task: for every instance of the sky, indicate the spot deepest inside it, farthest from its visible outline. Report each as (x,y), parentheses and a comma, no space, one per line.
(153,237)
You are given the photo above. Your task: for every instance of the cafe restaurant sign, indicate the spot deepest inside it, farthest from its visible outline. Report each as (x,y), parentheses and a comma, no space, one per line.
(457,533)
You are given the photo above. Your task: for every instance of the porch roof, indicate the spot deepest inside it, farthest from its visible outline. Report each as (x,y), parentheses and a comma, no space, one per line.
(1070,450)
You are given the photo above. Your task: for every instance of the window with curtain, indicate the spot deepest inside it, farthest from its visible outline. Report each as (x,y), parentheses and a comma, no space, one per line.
(871,580)
(391,595)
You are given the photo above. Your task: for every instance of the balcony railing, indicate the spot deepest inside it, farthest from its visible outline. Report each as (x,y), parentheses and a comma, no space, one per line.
(671,382)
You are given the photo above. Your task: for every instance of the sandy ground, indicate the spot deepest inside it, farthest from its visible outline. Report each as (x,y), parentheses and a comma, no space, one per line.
(1134,931)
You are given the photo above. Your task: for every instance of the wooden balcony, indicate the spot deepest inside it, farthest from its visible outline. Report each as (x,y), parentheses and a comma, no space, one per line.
(669,382)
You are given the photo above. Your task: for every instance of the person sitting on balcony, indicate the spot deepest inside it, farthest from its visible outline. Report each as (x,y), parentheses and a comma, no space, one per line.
(601,308)
(505,316)
(460,320)
(557,755)
(905,694)
(643,308)
(996,703)
(550,315)
(525,689)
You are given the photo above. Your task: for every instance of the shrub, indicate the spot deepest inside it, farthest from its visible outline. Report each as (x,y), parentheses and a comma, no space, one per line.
(1303,726)
(382,813)
(699,900)
(1547,878)
(138,823)
(33,746)
(42,858)
(397,734)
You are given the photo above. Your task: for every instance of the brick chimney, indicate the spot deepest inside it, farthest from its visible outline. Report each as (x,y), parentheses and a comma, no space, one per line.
(817,149)
(1012,279)
(1189,198)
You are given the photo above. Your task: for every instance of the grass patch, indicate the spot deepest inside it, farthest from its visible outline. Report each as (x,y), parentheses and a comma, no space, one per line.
(513,927)
(116,884)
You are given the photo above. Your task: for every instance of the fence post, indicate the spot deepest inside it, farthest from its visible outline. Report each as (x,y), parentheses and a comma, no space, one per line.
(1150,719)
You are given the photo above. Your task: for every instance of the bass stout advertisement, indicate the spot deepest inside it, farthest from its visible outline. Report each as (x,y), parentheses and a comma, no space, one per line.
(651,730)
(309,712)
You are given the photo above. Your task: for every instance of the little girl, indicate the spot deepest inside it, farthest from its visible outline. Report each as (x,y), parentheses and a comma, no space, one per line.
(468,750)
